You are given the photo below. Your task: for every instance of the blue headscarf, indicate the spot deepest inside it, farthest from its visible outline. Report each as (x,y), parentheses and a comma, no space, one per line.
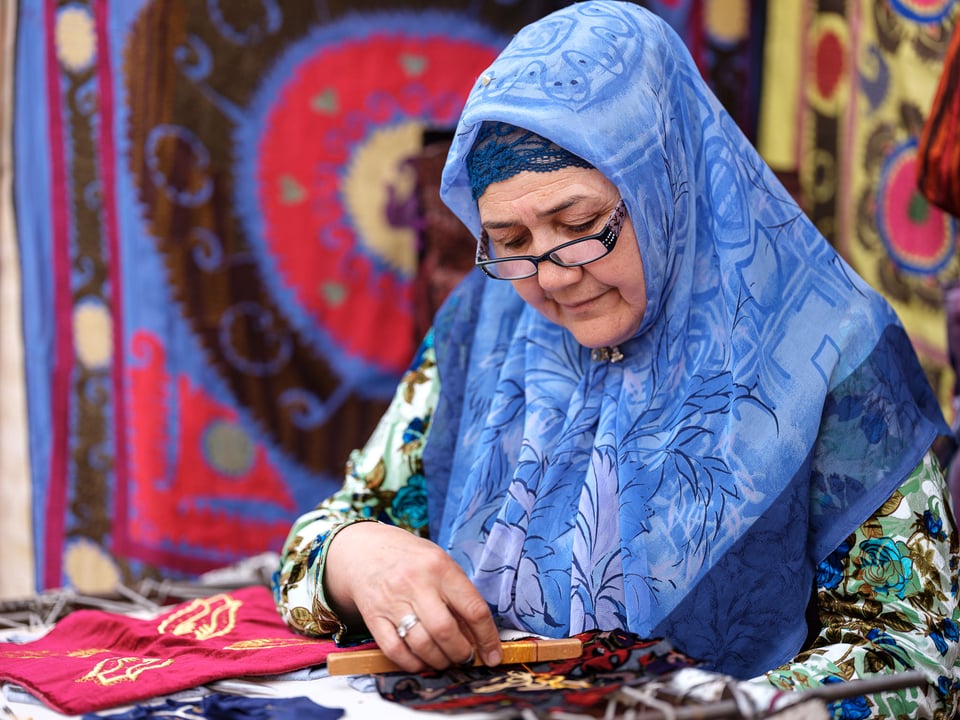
(768,404)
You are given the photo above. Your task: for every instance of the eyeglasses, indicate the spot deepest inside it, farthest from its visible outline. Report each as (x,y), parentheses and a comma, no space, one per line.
(570,254)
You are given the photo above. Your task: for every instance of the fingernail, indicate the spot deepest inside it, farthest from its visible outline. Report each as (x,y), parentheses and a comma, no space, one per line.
(493,657)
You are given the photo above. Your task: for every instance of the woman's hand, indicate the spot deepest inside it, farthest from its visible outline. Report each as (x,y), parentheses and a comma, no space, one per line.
(380,574)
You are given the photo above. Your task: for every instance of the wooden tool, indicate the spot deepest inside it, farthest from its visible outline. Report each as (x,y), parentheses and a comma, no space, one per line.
(364,662)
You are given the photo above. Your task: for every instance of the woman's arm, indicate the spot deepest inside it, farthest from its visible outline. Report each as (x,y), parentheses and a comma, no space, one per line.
(384,482)
(887,602)
(379,572)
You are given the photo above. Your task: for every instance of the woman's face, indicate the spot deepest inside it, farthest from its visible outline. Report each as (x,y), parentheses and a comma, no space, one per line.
(601,303)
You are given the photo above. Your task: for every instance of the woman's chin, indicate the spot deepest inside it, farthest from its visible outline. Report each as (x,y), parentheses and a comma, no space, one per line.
(594,340)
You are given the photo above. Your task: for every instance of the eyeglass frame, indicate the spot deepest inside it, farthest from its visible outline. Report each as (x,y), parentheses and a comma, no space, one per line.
(607,235)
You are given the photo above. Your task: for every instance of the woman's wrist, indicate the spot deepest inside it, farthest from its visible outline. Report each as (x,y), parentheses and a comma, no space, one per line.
(332,596)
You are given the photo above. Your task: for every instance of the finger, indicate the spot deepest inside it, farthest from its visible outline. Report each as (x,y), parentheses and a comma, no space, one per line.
(425,646)
(469,606)
(384,632)
(443,633)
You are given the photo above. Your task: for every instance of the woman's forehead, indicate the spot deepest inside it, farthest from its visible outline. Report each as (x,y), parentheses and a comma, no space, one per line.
(543,193)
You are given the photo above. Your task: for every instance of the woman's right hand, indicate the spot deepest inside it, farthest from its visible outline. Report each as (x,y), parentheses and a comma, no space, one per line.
(379,574)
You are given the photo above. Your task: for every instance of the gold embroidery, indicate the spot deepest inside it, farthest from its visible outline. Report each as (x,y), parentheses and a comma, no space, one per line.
(27,654)
(122,669)
(89,652)
(204,618)
(527,681)
(268,643)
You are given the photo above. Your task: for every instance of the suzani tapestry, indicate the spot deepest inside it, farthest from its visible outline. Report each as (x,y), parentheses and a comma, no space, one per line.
(867,72)
(217,245)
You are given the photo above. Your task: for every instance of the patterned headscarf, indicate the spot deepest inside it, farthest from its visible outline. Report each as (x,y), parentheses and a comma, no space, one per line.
(768,404)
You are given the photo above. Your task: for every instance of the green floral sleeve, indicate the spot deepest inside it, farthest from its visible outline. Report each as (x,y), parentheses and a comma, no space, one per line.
(384,482)
(887,602)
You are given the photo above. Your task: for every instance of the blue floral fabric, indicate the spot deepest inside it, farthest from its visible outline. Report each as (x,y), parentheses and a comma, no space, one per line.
(768,404)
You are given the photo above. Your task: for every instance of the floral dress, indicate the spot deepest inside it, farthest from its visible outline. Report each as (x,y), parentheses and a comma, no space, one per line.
(886,598)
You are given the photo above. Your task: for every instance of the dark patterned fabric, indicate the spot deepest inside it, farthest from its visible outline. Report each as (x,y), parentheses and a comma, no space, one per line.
(610,661)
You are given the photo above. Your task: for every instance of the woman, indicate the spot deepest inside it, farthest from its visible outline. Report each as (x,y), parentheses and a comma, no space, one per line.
(666,405)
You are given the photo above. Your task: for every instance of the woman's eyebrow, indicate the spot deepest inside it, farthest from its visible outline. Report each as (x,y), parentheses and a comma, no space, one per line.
(502,224)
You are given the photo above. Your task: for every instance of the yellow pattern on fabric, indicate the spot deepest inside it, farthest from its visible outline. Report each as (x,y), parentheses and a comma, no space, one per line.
(123,669)
(525,680)
(268,643)
(26,654)
(203,619)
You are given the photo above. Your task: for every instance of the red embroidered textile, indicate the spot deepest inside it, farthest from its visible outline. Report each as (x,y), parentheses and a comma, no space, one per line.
(92,659)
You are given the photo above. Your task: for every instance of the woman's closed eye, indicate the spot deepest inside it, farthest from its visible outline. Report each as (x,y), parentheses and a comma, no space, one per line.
(566,231)
(574,227)
(511,246)
(581,228)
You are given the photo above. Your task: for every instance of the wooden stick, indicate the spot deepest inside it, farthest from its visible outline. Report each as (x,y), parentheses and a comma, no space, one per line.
(365,662)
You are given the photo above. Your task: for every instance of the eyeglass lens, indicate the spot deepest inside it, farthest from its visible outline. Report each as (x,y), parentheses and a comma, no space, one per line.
(577,253)
(573,253)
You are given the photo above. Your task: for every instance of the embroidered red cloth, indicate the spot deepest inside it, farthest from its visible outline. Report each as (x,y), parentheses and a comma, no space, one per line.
(92,659)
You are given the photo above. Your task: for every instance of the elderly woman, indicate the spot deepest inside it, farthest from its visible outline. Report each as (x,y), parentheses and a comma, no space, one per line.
(665,405)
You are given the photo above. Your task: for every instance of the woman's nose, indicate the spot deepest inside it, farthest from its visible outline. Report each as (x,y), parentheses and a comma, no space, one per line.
(552,276)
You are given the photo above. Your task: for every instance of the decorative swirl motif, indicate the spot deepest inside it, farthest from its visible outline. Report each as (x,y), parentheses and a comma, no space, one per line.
(207,249)
(307,411)
(203,619)
(259,327)
(85,271)
(875,87)
(253,33)
(95,388)
(193,59)
(539,63)
(100,457)
(191,170)
(123,669)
